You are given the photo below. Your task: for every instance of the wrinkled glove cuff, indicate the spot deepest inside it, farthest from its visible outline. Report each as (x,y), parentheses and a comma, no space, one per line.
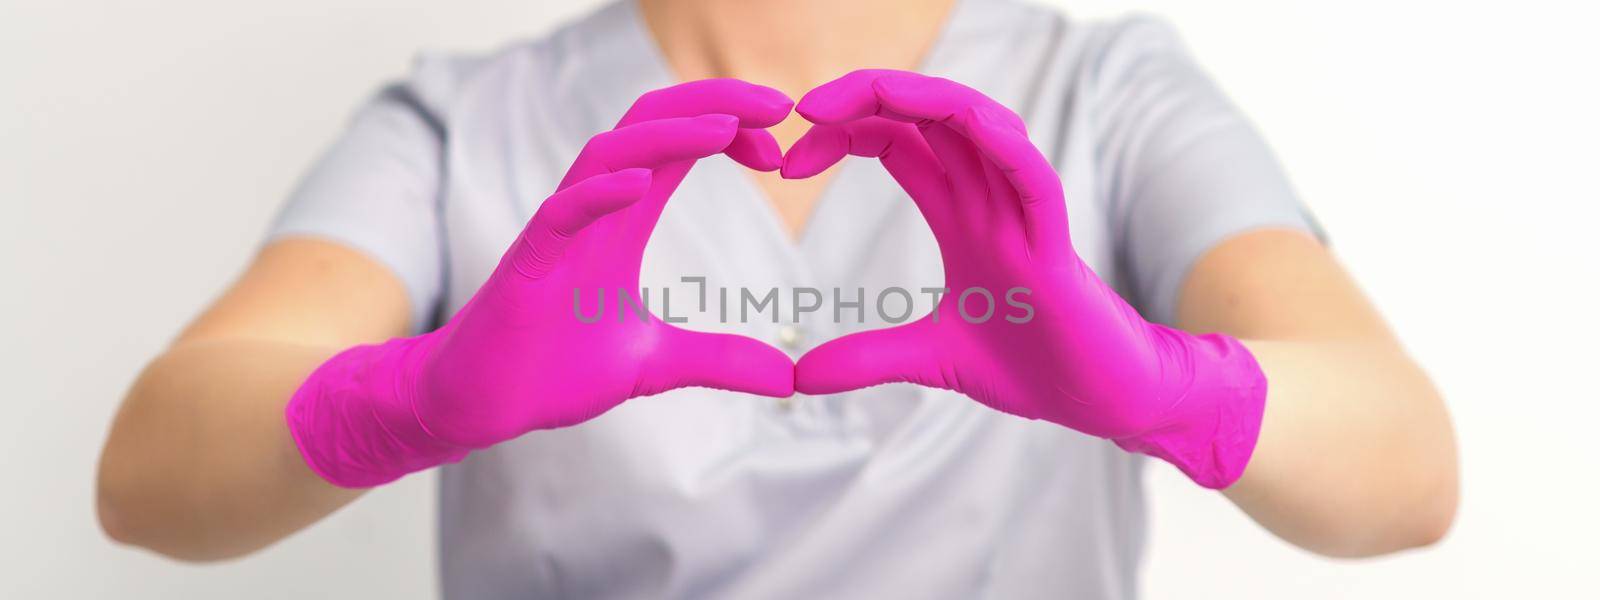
(353,420)
(1214,424)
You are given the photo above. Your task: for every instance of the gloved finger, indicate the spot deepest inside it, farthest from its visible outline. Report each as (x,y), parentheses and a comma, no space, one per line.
(994,129)
(847,98)
(963,167)
(756,106)
(756,149)
(1037,184)
(1003,196)
(897,354)
(936,99)
(906,96)
(999,135)
(821,147)
(720,361)
(857,95)
(652,144)
(898,146)
(567,212)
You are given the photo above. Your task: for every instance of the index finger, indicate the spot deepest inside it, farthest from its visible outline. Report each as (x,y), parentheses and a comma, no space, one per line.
(756,106)
(858,94)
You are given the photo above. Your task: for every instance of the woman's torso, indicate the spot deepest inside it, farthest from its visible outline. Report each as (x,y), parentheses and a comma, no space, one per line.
(893,491)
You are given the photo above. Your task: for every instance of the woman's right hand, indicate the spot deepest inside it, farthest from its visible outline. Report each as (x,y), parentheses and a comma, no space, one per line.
(517,358)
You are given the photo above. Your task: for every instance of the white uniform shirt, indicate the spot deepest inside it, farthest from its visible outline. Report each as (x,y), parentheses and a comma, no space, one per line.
(891,492)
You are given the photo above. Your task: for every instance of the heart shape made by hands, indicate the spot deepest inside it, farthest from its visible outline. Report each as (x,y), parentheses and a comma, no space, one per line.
(513,359)
(1082,357)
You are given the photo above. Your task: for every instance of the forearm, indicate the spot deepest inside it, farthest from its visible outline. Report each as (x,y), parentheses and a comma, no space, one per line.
(1356,455)
(199,463)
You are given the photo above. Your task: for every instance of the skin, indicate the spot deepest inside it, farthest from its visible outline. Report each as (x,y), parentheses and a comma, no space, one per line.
(1356,455)
(793,47)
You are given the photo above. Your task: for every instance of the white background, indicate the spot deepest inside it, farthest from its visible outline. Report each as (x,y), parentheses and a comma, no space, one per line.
(1449,148)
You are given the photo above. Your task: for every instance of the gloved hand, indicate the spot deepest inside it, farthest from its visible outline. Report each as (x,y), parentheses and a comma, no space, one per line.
(516,358)
(1086,360)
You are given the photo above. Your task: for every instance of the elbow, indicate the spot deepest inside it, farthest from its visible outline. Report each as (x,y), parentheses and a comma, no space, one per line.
(1423,487)
(117,509)
(129,516)
(124,523)
(1414,530)
(120,521)
(136,502)
(1422,522)
(132,514)
(1431,523)
(1418,530)
(115,501)
(1427,519)
(112,522)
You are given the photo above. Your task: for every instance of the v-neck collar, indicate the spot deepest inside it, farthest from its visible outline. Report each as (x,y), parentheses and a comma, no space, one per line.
(851,206)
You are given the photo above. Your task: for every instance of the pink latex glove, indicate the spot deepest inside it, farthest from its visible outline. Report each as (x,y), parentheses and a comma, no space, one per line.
(516,358)
(1086,360)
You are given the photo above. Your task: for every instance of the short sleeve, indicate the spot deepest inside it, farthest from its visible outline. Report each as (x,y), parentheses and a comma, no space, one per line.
(378,191)
(1184,169)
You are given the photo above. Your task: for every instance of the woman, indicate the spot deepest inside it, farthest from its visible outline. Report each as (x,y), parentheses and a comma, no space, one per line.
(529,183)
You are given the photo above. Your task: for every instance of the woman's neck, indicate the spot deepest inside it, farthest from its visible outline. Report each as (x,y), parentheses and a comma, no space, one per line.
(792,45)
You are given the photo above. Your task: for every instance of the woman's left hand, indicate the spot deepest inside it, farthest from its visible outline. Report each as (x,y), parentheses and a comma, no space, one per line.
(1079,355)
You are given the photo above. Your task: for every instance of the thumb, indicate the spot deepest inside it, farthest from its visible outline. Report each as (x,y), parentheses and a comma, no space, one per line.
(904,354)
(719,361)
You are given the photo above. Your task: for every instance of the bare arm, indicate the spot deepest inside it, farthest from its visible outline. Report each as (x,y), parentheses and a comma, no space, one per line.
(1357,455)
(199,464)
